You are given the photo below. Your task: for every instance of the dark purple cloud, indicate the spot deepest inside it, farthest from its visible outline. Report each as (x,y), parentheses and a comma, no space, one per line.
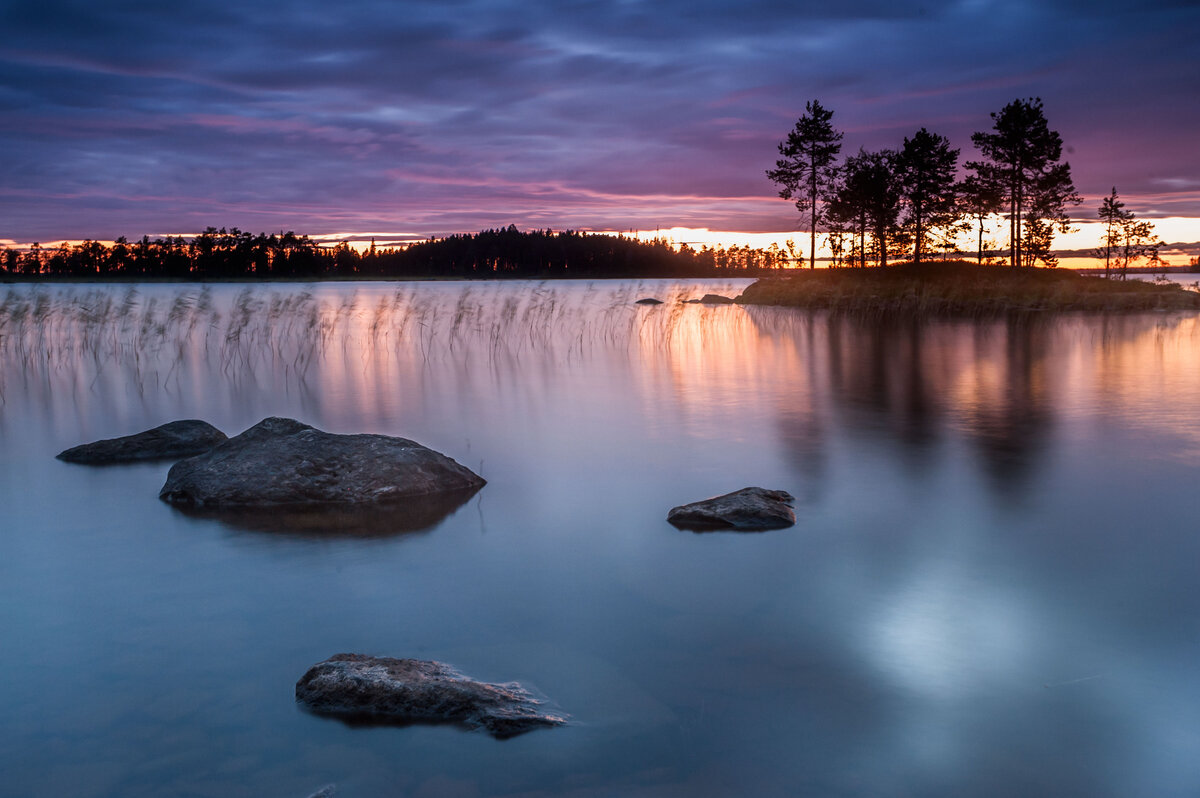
(434,117)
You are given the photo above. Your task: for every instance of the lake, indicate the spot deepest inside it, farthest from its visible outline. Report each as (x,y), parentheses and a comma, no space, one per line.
(991,588)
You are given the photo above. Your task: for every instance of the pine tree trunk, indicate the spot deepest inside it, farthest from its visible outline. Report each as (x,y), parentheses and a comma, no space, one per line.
(1108,249)
(1020,208)
(812,243)
(917,243)
(1012,226)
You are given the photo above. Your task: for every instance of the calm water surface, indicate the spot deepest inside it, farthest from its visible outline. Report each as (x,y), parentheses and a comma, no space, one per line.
(990,590)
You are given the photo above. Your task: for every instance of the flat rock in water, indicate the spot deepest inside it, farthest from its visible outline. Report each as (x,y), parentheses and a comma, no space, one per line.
(365,689)
(648,301)
(282,462)
(745,509)
(711,299)
(172,440)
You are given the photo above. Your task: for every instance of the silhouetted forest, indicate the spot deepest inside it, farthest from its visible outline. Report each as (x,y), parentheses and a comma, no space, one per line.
(909,202)
(508,252)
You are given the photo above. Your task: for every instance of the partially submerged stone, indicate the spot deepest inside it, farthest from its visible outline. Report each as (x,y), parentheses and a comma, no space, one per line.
(328,791)
(364,689)
(174,440)
(648,301)
(282,462)
(712,299)
(378,520)
(746,509)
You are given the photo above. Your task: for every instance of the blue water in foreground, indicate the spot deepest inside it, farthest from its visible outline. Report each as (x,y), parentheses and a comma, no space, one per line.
(991,589)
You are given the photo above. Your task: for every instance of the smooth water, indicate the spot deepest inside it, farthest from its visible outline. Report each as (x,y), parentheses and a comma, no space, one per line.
(991,589)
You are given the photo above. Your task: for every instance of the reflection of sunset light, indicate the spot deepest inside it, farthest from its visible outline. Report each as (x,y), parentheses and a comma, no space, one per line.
(932,642)
(716,365)
(714,361)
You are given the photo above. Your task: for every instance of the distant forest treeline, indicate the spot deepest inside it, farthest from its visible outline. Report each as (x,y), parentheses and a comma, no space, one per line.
(508,252)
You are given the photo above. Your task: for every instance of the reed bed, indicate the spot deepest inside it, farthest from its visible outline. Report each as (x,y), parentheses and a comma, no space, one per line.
(148,339)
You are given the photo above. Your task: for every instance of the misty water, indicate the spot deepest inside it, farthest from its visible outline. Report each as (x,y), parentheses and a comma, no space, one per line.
(990,589)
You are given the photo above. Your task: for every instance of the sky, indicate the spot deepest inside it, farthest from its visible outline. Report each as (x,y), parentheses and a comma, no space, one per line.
(428,118)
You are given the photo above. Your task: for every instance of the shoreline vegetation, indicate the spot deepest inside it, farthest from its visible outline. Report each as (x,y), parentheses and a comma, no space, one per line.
(506,253)
(959,288)
(962,289)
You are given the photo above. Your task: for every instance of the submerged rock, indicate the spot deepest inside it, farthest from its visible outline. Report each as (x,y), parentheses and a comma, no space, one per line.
(328,791)
(365,689)
(282,462)
(377,520)
(648,301)
(711,299)
(745,509)
(172,440)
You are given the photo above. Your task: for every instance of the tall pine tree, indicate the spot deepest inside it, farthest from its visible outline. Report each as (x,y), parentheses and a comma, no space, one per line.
(925,169)
(1022,158)
(807,166)
(866,199)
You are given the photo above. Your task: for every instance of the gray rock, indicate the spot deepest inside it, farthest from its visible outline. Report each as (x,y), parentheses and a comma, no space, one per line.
(328,791)
(282,462)
(745,509)
(176,439)
(377,520)
(363,689)
(648,301)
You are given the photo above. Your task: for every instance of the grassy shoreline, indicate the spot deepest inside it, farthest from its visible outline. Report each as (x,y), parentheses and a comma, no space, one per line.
(962,288)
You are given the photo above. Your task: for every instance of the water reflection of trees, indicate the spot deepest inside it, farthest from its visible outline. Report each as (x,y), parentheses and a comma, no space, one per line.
(1012,427)
(917,386)
(908,383)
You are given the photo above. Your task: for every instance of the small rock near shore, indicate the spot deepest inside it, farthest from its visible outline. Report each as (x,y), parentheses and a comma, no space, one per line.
(746,509)
(648,301)
(176,439)
(361,688)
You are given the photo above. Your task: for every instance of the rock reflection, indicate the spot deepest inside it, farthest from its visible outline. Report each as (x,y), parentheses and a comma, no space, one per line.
(332,522)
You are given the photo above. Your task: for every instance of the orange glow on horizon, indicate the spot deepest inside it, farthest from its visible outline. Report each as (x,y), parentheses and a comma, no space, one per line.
(1084,239)
(1086,236)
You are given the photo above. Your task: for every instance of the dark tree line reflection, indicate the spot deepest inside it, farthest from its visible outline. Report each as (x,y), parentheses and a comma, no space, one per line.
(917,382)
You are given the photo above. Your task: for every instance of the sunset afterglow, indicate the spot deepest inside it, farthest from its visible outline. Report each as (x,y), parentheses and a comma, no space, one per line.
(443,120)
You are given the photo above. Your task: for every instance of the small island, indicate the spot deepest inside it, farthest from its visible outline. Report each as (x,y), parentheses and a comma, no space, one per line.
(963,289)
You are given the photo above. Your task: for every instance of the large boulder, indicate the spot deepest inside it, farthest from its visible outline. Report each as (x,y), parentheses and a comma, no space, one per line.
(282,462)
(173,440)
(363,689)
(747,509)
